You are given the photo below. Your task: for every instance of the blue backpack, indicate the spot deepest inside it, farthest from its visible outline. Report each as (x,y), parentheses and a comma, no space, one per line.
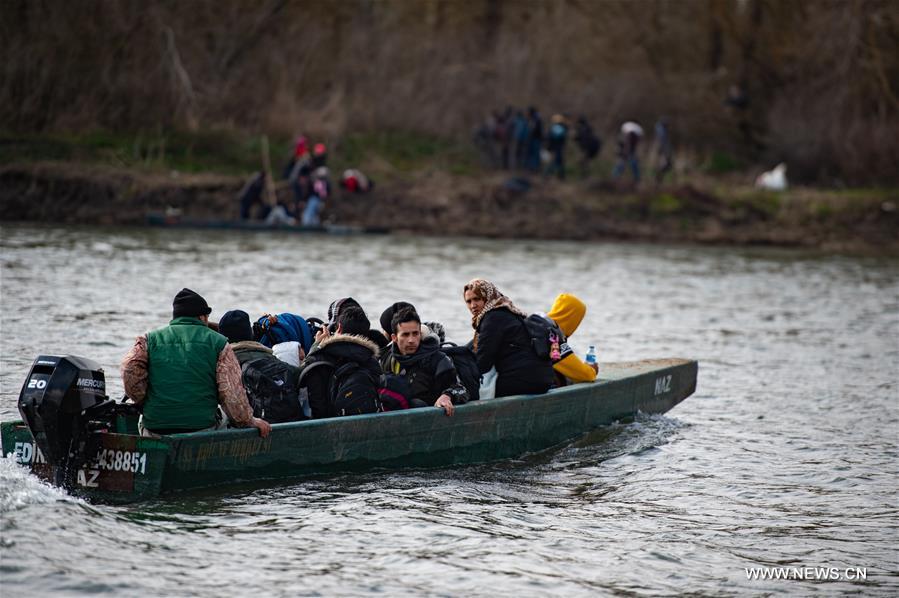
(271,330)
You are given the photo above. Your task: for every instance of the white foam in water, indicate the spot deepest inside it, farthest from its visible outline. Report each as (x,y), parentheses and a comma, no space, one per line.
(647,431)
(658,422)
(20,488)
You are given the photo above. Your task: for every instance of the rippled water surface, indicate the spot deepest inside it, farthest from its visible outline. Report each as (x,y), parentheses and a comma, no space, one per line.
(785,456)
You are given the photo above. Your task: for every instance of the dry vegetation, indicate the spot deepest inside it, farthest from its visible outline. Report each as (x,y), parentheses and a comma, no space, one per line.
(822,77)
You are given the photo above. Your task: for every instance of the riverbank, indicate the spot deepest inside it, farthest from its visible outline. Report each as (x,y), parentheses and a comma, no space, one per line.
(435,201)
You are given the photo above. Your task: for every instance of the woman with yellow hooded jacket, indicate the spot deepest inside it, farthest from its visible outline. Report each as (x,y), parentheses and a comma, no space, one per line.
(568,312)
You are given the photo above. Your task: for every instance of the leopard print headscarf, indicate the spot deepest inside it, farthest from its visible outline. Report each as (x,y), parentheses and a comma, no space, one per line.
(493,299)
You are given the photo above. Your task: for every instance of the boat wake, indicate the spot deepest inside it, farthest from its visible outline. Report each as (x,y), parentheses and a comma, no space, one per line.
(20,488)
(645,433)
(648,432)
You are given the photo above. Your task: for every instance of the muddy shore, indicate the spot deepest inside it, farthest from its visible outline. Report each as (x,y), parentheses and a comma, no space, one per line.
(490,206)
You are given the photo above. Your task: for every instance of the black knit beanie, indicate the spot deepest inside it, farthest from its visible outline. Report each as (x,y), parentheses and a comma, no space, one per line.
(387,315)
(235,324)
(188,303)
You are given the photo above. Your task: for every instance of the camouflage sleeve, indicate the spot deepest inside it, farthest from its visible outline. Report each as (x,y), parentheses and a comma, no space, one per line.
(134,370)
(232,395)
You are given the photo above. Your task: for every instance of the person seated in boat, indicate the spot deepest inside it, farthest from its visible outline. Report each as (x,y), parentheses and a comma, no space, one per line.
(341,372)
(336,308)
(386,319)
(272,385)
(462,357)
(431,375)
(272,330)
(501,340)
(181,373)
(567,312)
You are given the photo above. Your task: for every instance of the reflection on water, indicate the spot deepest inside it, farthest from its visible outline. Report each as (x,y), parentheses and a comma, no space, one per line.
(785,456)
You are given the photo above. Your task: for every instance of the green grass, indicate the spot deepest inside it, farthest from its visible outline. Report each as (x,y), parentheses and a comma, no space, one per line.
(407,152)
(866,193)
(722,163)
(230,152)
(664,203)
(768,202)
(217,151)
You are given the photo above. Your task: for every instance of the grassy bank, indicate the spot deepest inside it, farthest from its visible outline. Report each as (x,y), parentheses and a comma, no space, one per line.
(435,185)
(391,154)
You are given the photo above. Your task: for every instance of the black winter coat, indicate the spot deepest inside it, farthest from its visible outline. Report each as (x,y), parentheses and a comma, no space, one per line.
(338,349)
(504,343)
(429,371)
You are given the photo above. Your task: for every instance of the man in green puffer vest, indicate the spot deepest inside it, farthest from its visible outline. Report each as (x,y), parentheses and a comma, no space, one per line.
(181,373)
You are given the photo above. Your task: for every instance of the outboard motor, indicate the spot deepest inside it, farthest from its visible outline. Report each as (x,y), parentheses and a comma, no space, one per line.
(60,401)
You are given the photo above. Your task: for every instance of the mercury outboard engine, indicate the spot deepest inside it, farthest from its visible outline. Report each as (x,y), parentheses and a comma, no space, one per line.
(61,401)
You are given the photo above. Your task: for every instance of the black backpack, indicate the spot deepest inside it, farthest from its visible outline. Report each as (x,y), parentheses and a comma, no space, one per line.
(273,392)
(466,366)
(394,393)
(546,337)
(353,388)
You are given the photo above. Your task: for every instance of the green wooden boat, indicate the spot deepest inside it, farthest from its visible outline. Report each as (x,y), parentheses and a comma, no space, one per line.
(127,467)
(162,220)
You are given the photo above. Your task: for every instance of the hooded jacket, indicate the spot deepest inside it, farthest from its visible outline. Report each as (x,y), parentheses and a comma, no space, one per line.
(568,312)
(429,371)
(338,349)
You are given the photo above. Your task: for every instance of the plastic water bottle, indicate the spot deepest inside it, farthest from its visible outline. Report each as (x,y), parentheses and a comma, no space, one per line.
(591,355)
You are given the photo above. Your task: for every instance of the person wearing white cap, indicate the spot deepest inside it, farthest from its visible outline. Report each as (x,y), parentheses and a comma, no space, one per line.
(628,139)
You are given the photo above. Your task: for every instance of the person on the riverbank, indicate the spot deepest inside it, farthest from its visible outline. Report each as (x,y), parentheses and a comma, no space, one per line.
(520,137)
(567,312)
(555,143)
(272,386)
(251,195)
(535,140)
(628,140)
(431,375)
(341,372)
(299,172)
(502,134)
(319,156)
(181,374)
(355,181)
(664,149)
(321,190)
(588,142)
(501,340)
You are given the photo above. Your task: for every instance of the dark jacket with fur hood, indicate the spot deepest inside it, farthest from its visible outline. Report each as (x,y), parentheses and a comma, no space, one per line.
(338,349)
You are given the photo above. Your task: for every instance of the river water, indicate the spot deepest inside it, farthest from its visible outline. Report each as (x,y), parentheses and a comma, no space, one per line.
(786,456)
